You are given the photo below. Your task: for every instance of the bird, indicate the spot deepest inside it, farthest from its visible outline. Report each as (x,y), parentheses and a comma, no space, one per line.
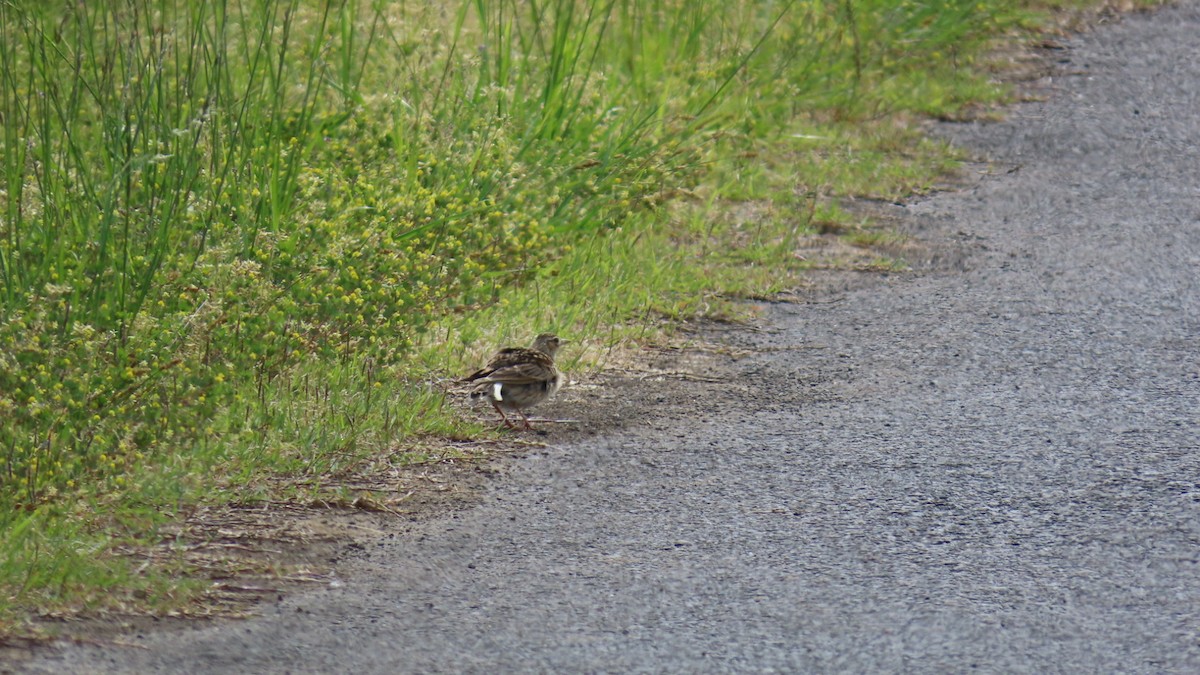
(517,378)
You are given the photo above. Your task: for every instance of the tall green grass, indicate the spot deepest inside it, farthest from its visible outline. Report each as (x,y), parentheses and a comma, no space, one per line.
(240,238)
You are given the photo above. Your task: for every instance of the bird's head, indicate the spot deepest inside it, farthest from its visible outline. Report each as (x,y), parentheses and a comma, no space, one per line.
(548,343)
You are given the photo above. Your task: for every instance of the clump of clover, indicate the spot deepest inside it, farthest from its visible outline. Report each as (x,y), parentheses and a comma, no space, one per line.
(82,404)
(390,236)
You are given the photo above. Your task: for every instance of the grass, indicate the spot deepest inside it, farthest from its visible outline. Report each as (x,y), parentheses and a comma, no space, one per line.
(249,240)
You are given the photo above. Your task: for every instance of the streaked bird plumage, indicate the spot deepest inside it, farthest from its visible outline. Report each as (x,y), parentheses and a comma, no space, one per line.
(517,378)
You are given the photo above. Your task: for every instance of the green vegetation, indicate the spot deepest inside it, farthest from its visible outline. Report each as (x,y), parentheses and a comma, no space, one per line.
(242,240)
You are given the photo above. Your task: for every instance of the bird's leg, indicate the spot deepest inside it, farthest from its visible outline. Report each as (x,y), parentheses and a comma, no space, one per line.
(528,426)
(504,417)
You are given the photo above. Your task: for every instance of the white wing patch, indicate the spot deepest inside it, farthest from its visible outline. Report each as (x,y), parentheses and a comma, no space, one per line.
(496,387)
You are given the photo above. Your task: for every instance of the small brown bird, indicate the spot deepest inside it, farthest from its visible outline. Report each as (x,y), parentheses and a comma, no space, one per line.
(518,378)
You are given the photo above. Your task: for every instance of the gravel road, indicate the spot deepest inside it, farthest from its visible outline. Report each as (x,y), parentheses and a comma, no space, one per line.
(989,468)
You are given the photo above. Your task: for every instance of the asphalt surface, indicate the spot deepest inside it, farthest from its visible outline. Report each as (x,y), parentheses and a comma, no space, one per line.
(994,468)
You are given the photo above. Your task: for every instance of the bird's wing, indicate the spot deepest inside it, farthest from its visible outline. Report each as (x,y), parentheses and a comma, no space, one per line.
(508,359)
(527,372)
